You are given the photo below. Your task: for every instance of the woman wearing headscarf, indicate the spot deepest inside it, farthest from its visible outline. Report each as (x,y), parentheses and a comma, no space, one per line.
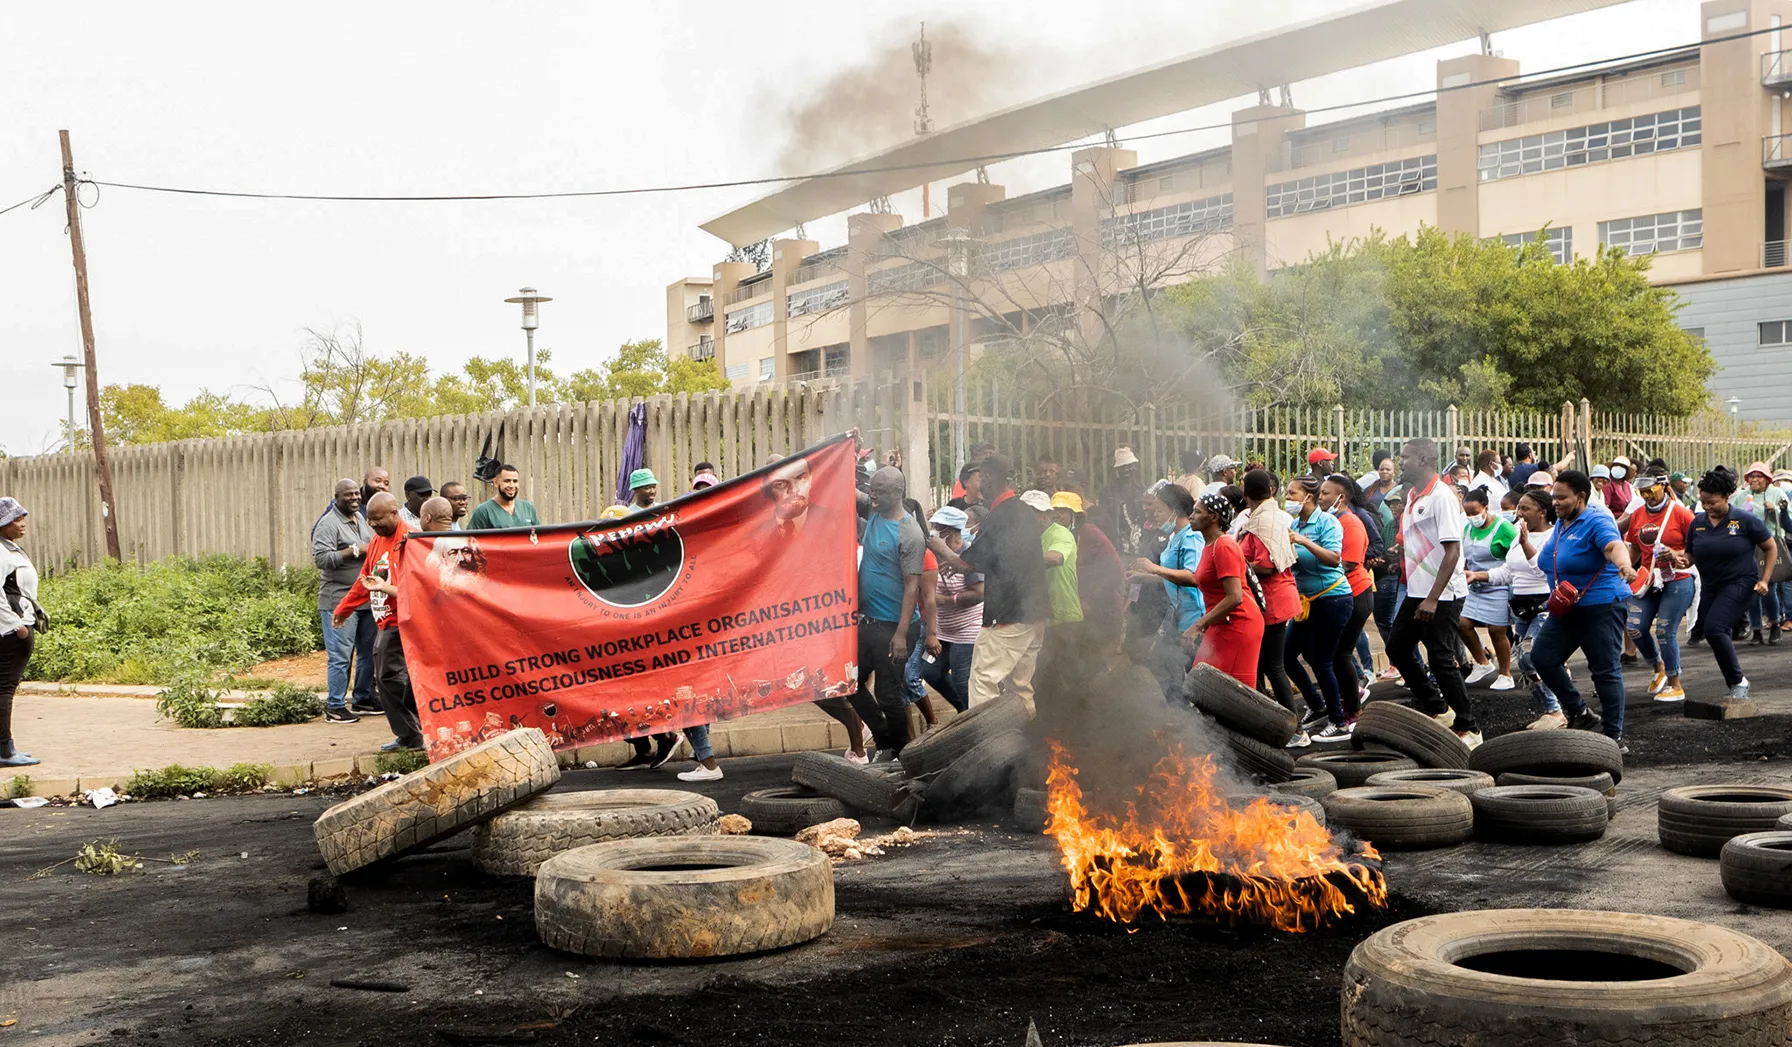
(1229,634)
(20,619)
(1269,551)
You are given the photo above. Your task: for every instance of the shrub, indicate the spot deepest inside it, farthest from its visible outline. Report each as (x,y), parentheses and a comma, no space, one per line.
(285,704)
(175,780)
(18,787)
(191,701)
(147,623)
(404,761)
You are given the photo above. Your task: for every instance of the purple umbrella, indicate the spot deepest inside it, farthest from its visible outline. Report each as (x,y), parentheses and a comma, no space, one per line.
(634,451)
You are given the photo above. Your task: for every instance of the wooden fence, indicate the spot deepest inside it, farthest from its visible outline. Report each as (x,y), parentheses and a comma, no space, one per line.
(260,495)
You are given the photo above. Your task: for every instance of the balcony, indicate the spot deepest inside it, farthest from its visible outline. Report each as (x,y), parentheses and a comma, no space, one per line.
(1776,152)
(701,313)
(703,350)
(1776,68)
(1773,254)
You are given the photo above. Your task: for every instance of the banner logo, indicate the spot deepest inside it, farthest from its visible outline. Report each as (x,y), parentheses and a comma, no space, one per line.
(629,566)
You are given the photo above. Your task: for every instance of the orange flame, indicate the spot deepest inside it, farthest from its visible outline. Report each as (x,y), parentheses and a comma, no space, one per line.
(1181,848)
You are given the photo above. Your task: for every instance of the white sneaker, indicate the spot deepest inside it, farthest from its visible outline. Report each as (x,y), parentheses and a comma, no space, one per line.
(701,773)
(1472,739)
(1503,683)
(1447,717)
(860,757)
(1480,672)
(1548,722)
(1300,741)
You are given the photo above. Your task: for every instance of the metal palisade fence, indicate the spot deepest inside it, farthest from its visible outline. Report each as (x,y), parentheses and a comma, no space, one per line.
(259,495)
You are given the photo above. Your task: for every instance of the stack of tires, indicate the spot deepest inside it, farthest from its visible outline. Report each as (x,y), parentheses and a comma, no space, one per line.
(1747,828)
(1404,785)
(1552,787)
(1254,727)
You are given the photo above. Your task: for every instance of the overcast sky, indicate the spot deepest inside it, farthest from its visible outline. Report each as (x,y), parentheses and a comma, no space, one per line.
(454,96)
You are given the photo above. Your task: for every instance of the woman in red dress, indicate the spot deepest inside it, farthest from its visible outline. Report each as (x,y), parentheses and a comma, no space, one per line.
(1231,631)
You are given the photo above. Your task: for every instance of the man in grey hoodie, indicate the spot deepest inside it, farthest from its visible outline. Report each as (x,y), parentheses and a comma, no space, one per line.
(338,546)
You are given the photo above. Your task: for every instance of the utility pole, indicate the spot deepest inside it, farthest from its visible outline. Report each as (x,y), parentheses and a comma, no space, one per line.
(108,508)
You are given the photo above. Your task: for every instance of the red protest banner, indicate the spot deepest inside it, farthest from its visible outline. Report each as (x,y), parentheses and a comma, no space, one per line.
(728,601)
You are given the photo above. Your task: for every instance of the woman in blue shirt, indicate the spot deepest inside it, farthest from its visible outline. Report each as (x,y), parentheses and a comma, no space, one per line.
(1722,542)
(1319,574)
(1171,657)
(1587,552)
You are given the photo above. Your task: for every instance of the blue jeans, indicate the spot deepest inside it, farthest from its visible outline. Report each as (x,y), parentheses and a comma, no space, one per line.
(1764,609)
(950,673)
(1597,632)
(698,736)
(354,638)
(1316,640)
(1524,634)
(1664,608)
(912,691)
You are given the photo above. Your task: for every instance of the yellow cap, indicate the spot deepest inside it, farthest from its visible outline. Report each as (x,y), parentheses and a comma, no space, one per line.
(1068,500)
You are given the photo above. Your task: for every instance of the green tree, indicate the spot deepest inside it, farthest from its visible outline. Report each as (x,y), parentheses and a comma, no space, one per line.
(136,414)
(642,368)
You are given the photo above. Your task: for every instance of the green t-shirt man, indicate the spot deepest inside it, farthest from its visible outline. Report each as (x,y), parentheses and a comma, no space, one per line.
(1060,580)
(489,515)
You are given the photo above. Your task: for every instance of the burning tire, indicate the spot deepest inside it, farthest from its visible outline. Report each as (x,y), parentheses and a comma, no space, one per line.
(1310,782)
(1699,819)
(1517,978)
(1551,754)
(1600,783)
(1270,763)
(978,780)
(1464,782)
(437,801)
(684,898)
(1353,769)
(788,809)
(942,748)
(1409,731)
(1029,809)
(1757,868)
(871,790)
(1242,709)
(1283,801)
(1539,814)
(516,842)
(1402,819)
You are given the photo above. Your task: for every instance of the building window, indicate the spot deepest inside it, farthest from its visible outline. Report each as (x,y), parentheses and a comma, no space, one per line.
(1559,240)
(1616,140)
(1023,251)
(819,299)
(750,317)
(1565,100)
(834,359)
(1673,231)
(767,367)
(914,276)
(1773,332)
(1674,78)
(1342,188)
(1196,216)
(735,372)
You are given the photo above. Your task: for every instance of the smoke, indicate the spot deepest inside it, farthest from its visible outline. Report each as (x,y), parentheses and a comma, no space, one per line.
(871,105)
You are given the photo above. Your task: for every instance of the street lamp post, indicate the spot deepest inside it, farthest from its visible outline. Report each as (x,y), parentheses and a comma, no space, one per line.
(70,365)
(529,300)
(1733,403)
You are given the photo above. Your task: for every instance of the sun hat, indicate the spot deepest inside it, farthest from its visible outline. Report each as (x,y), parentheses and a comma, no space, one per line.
(1037,500)
(642,478)
(1319,454)
(1123,456)
(614,512)
(1600,472)
(1758,467)
(950,516)
(1219,463)
(11,510)
(1068,500)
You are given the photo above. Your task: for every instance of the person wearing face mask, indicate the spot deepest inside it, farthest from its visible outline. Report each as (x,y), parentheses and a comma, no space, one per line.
(1269,551)
(1530,592)
(1657,537)
(1174,650)
(1588,554)
(1619,493)
(1488,476)
(1339,495)
(1766,502)
(1324,586)
(1485,543)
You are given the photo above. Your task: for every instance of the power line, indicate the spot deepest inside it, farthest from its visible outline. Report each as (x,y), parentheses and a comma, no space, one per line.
(34,201)
(964,162)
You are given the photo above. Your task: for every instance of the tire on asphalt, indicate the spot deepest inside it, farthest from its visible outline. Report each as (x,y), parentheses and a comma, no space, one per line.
(1757,868)
(1539,814)
(1699,819)
(786,810)
(1352,769)
(978,780)
(1407,818)
(937,750)
(1457,781)
(1551,754)
(1269,763)
(1281,801)
(683,897)
(1242,709)
(1600,783)
(437,801)
(516,842)
(1310,782)
(1409,731)
(876,789)
(1029,809)
(1516,978)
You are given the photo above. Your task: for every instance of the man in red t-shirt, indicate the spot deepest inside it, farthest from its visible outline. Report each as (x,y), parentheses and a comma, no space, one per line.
(374,589)
(1657,537)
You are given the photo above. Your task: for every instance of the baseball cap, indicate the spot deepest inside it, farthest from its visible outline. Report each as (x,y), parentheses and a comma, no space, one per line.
(1037,500)
(1540,479)
(1221,462)
(1123,456)
(1068,500)
(1319,454)
(419,485)
(1600,472)
(642,478)
(704,479)
(1677,477)
(950,516)
(1758,467)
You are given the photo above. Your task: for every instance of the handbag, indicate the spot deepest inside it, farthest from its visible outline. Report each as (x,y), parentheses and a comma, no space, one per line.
(1782,567)
(1306,602)
(1566,594)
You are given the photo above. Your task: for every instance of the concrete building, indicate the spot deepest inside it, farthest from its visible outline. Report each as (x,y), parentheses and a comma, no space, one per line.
(1684,156)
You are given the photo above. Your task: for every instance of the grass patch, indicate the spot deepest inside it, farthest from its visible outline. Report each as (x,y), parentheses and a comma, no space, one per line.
(18,787)
(149,623)
(404,761)
(176,780)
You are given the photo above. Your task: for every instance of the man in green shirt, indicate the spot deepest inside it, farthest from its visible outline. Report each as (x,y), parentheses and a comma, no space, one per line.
(1059,546)
(504,509)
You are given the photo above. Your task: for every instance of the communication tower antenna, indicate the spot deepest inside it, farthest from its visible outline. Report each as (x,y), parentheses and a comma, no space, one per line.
(923,52)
